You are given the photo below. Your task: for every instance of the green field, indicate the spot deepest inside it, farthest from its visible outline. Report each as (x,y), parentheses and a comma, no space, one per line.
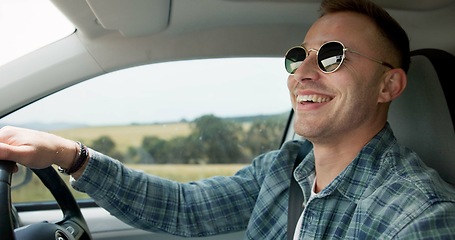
(128,135)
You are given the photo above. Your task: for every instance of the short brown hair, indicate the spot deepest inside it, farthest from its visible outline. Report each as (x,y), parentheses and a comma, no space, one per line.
(387,25)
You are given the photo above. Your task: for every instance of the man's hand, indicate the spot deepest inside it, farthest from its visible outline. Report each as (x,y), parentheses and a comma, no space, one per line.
(35,149)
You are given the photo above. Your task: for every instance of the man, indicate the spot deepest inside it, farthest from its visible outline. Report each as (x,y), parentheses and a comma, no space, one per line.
(357,182)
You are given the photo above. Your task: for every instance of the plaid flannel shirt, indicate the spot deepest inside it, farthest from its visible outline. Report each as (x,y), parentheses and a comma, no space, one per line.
(386,192)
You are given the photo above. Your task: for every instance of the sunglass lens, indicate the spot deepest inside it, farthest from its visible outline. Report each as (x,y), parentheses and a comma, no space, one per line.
(294,58)
(330,56)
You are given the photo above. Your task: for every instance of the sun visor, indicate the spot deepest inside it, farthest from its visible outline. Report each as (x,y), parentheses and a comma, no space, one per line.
(128,17)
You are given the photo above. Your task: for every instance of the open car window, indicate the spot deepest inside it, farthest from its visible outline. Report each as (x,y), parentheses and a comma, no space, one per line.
(181,120)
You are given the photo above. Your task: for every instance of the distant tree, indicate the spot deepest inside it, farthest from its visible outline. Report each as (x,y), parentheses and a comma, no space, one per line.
(137,155)
(213,140)
(265,135)
(183,150)
(106,145)
(217,139)
(156,148)
(177,150)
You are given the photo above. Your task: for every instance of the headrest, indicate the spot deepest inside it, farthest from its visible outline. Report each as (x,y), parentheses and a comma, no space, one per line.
(422,117)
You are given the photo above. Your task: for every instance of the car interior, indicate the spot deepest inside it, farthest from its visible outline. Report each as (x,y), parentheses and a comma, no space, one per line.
(113,35)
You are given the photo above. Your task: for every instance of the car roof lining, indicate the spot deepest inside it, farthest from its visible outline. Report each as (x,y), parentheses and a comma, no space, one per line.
(229,32)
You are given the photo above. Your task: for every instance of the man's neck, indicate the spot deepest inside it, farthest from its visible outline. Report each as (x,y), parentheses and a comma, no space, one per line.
(332,157)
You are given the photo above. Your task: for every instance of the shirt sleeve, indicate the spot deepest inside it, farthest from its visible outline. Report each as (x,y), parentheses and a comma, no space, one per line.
(201,208)
(436,222)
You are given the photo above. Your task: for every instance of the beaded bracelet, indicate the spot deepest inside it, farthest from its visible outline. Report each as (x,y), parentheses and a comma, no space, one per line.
(78,163)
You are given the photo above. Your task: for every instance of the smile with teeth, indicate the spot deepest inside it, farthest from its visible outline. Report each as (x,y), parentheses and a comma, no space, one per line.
(312,98)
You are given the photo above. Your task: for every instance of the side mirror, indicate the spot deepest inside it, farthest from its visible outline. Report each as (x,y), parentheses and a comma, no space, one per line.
(21,178)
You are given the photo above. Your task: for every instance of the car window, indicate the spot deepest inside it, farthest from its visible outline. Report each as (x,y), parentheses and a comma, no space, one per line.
(183,120)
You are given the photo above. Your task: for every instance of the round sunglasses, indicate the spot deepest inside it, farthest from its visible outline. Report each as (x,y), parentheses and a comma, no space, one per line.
(330,56)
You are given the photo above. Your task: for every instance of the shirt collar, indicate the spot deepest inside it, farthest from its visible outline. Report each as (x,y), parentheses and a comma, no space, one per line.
(354,180)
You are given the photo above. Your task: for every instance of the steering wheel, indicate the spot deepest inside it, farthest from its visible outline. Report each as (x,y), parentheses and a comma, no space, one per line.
(73,225)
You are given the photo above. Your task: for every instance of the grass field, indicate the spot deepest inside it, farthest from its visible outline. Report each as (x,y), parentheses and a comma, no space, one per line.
(189,172)
(128,135)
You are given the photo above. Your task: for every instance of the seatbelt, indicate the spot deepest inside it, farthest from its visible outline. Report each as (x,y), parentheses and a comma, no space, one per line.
(295,208)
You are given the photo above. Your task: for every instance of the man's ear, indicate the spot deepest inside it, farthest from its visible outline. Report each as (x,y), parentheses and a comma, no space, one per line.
(394,82)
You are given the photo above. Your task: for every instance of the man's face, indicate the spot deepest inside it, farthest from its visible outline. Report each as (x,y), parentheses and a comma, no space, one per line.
(330,106)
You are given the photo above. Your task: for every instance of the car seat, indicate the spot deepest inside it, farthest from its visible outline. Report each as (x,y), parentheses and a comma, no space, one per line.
(422,118)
